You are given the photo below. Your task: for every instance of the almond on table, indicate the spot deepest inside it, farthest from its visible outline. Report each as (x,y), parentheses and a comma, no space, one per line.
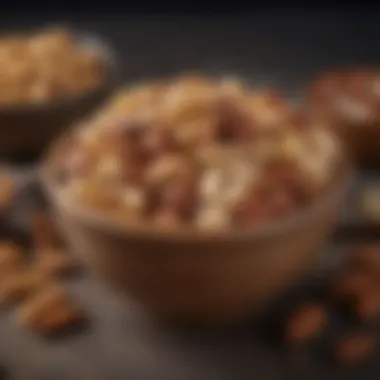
(354,348)
(50,311)
(305,323)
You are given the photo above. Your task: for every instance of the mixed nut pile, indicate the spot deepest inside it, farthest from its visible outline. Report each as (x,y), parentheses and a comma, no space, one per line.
(197,152)
(47,65)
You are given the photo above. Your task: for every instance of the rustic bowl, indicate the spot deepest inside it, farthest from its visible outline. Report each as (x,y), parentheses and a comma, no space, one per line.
(27,129)
(197,277)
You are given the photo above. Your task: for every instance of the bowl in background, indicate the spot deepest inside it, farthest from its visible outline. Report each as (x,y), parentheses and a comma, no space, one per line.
(27,129)
(191,276)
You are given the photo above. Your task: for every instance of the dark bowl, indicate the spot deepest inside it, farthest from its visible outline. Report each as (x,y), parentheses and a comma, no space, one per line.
(197,277)
(27,129)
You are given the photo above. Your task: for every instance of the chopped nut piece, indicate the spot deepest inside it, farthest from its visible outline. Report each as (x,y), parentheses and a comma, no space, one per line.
(50,311)
(305,323)
(354,348)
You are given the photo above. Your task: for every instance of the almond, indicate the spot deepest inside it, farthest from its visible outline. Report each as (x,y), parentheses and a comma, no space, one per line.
(50,311)
(354,348)
(305,323)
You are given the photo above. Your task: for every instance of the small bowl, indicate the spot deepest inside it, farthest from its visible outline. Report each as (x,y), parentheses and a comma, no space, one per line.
(361,134)
(27,129)
(196,277)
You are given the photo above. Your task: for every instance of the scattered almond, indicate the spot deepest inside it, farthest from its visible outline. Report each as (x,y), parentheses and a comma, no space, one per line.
(18,286)
(50,311)
(305,323)
(354,348)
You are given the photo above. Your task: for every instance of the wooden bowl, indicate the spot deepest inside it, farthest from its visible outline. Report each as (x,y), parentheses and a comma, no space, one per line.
(197,277)
(27,129)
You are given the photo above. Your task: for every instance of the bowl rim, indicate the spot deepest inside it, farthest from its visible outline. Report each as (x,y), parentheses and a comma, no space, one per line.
(109,59)
(335,193)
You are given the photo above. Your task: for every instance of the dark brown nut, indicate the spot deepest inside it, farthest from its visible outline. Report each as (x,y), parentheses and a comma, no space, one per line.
(11,258)
(18,286)
(43,232)
(354,348)
(50,311)
(305,323)
(53,263)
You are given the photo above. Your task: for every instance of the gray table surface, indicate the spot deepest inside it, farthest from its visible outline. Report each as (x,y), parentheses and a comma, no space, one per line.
(283,48)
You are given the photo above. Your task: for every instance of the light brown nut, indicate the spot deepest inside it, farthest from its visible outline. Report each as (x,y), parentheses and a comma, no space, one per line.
(305,323)
(50,311)
(354,348)
(20,285)
(11,258)
(54,262)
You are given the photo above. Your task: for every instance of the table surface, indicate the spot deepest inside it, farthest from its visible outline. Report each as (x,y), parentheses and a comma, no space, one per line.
(282,48)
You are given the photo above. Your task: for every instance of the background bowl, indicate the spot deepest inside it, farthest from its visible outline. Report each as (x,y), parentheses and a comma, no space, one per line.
(197,277)
(26,129)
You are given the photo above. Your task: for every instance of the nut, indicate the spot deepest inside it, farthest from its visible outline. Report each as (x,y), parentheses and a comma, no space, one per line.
(50,311)
(354,348)
(305,323)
